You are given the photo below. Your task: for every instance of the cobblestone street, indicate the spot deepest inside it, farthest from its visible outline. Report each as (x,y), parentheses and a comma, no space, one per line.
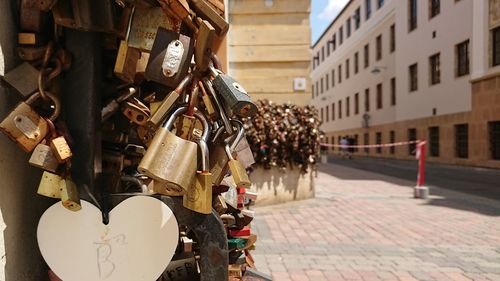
(366,226)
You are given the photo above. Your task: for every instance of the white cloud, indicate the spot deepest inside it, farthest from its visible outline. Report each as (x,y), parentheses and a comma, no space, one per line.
(332,9)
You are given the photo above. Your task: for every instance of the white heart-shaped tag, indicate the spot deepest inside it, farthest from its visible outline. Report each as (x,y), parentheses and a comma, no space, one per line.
(136,245)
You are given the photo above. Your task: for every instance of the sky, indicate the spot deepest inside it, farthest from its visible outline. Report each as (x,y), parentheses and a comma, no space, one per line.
(322,14)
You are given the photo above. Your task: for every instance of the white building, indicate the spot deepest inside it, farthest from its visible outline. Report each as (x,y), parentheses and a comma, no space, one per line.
(398,70)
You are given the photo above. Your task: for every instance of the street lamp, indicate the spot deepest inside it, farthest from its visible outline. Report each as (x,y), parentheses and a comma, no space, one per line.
(377,69)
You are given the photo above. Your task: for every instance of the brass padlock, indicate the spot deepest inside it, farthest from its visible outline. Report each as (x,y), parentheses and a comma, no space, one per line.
(209,106)
(50,185)
(69,195)
(126,62)
(43,156)
(169,158)
(220,205)
(203,10)
(244,154)
(25,126)
(61,149)
(218,105)
(31,53)
(136,111)
(238,172)
(204,44)
(32,39)
(199,195)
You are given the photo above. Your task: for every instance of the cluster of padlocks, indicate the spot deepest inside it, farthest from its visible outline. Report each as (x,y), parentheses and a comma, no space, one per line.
(173,124)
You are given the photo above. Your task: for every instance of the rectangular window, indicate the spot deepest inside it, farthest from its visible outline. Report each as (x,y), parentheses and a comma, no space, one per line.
(462,58)
(367,100)
(412,15)
(340,109)
(393,91)
(392,42)
(412,136)
(494,128)
(392,139)
(379,96)
(327,109)
(496,46)
(368,9)
(313,91)
(379,48)
(357,18)
(317,88)
(435,69)
(434,8)
(322,120)
(333,78)
(321,83)
(326,82)
(348,27)
(322,53)
(367,55)
(356,104)
(333,111)
(434,141)
(380,3)
(341,35)
(413,77)
(356,62)
(340,74)
(334,42)
(462,141)
(347,64)
(366,141)
(327,49)
(347,106)
(378,140)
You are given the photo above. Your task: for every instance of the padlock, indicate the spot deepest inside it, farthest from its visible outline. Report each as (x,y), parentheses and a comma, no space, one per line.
(218,6)
(31,39)
(126,62)
(185,125)
(25,126)
(204,44)
(136,111)
(218,105)
(61,149)
(31,16)
(238,172)
(114,105)
(169,158)
(170,58)
(187,244)
(145,24)
(243,153)
(50,185)
(90,15)
(23,78)
(180,10)
(69,195)
(219,205)
(209,106)
(203,10)
(31,53)
(166,189)
(43,156)
(235,98)
(160,114)
(199,194)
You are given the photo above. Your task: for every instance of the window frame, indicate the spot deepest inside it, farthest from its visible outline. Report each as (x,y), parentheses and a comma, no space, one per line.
(462,141)
(412,15)
(413,78)
(380,96)
(435,69)
(462,58)
(378,47)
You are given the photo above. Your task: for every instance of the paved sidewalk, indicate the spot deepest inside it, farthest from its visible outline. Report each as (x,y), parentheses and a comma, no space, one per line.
(365,226)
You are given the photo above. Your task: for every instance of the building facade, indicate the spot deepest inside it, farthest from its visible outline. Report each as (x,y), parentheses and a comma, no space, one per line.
(269,48)
(400,70)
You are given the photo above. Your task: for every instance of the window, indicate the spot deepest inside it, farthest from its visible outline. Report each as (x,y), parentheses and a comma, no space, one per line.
(348,27)
(379,96)
(494,128)
(496,46)
(367,100)
(333,78)
(317,88)
(356,62)
(462,58)
(321,83)
(313,91)
(347,106)
(380,3)
(413,77)
(347,69)
(434,8)
(322,53)
(392,42)
(340,74)
(392,139)
(412,136)
(378,140)
(435,71)
(326,82)
(327,49)
(340,109)
(367,55)
(334,42)
(357,18)
(333,111)
(462,141)
(412,15)
(341,35)
(366,141)
(434,141)
(333,142)
(378,46)
(368,9)
(327,109)
(322,115)
(393,91)
(356,104)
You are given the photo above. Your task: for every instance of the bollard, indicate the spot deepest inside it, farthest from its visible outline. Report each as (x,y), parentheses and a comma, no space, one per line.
(421,191)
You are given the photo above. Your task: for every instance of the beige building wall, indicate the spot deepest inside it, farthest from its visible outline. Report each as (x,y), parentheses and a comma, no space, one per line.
(472,99)
(269,48)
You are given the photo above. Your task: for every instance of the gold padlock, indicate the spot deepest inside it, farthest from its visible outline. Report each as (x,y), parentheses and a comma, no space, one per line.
(220,205)
(126,62)
(166,188)
(209,106)
(204,45)
(169,158)
(238,172)
(25,126)
(50,185)
(61,149)
(199,194)
(186,122)
(43,156)
(69,195)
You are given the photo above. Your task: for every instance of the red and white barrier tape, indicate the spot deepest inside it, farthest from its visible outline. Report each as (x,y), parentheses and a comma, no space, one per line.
(373,145)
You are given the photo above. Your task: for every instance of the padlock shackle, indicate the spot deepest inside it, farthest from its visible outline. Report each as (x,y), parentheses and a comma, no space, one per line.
(183,84)
(216,61)
(55,100)
(218,105)
(205,155)
(239,136)
(170,121)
